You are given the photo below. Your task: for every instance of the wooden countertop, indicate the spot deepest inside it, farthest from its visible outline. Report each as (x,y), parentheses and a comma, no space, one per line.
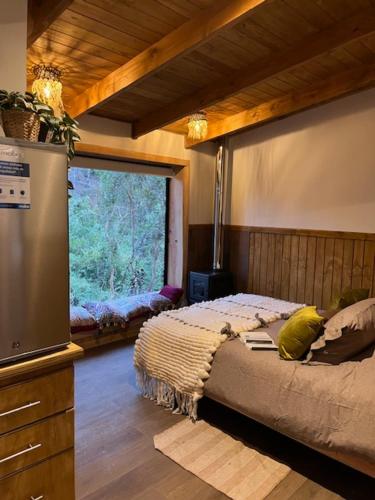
(22,367)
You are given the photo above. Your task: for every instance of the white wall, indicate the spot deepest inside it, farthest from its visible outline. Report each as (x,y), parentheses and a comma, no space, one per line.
(313,170)
(111,133)
(13,35)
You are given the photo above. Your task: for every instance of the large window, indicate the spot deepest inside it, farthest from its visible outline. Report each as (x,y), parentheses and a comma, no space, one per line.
(117,234)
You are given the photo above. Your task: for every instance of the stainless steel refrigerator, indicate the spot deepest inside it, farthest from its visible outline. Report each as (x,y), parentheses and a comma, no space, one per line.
(34,260)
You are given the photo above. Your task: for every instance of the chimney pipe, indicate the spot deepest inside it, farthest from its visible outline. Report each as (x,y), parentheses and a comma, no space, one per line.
(218,210)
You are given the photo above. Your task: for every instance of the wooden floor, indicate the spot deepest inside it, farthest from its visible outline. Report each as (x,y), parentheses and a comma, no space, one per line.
(116,460)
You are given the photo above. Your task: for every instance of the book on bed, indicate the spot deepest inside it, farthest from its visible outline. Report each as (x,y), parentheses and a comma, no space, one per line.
(259,341)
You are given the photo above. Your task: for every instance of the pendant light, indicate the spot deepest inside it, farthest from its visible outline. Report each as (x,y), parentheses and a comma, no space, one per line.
(197,125)
(48,88)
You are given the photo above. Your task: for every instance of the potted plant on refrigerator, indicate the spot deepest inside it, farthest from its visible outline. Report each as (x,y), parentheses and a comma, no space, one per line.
(20,114)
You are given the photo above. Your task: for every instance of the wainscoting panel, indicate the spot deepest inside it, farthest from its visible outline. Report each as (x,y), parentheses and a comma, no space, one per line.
(236,257)
(299,265)
(293,264)
(200,247)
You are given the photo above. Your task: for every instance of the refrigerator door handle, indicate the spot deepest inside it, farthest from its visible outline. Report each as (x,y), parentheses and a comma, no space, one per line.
(20,408)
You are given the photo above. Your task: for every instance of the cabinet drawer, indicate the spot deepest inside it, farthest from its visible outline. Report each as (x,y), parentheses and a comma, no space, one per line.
(50,480)
(36,442)
(33,400)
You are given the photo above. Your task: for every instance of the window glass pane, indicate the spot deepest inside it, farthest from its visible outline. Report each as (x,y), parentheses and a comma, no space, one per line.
(117,228)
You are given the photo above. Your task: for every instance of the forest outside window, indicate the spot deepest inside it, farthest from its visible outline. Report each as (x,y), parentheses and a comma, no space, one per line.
(118,230)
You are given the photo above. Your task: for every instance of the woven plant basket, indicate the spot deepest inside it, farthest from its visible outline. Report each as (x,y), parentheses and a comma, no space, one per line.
(20,124)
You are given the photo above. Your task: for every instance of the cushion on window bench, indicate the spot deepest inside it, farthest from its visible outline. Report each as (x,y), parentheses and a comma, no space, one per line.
(81,319)
(172,293)
(121,311)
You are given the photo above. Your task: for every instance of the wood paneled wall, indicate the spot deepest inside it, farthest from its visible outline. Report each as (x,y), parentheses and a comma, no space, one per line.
(298,265)
(200,247)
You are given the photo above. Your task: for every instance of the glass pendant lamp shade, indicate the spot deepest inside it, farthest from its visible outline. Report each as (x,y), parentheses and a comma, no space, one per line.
(48,88)
(198,126)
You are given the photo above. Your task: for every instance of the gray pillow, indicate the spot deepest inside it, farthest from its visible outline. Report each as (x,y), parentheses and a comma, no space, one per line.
(346,334)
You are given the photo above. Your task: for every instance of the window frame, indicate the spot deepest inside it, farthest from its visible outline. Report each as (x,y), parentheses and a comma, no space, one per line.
(178,206)
(166,231)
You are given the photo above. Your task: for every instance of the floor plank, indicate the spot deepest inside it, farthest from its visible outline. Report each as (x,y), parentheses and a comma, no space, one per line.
(116,459)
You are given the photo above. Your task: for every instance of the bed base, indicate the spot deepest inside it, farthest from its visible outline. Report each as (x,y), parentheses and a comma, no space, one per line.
(356,463)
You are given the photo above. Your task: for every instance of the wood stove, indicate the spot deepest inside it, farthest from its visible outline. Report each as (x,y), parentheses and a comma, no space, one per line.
(209,285)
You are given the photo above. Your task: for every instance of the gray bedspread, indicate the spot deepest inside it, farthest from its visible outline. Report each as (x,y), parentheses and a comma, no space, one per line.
(330,408)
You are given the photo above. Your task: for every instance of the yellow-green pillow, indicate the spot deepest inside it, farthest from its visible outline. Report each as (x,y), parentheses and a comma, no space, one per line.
(348,298)
(299,332)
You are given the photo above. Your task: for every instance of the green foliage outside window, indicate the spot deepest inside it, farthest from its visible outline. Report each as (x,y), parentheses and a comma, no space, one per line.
(117,234)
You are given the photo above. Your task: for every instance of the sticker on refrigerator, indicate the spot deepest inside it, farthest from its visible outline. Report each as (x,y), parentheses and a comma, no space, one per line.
(14,185)
(11,153)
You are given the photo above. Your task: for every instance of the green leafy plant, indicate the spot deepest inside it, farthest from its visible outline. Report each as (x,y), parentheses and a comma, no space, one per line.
(64,130)
(23,102)
(67,133)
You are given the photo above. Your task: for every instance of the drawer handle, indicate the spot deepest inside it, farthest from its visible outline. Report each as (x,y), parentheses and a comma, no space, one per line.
(37,498)
(20,408)
(23,452)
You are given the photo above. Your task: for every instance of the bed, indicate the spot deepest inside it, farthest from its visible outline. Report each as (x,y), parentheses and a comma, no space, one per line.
(329,408)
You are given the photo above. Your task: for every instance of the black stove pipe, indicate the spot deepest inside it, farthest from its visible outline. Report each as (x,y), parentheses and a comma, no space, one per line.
(218,211)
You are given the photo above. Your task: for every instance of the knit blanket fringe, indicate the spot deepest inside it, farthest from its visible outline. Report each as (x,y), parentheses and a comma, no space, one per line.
(167,396)
(174,351)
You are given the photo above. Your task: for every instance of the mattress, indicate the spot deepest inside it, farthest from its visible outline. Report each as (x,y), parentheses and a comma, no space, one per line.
(329,408)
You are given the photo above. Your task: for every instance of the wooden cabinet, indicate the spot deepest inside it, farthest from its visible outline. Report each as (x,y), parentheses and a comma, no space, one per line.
(32,400)
(50,480)
(37,427)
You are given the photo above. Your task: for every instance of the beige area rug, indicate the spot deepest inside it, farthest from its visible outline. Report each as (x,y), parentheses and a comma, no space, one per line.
(221,461)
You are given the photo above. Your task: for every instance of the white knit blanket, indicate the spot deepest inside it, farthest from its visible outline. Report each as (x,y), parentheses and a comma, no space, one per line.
(174,351)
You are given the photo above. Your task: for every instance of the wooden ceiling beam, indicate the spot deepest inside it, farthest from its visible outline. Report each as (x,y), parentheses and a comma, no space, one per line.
(41,14)
(333,88)
(312,46)
(187,37)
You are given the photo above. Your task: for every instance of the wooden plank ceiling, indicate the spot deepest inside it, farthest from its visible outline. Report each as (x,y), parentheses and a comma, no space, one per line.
(153,62)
